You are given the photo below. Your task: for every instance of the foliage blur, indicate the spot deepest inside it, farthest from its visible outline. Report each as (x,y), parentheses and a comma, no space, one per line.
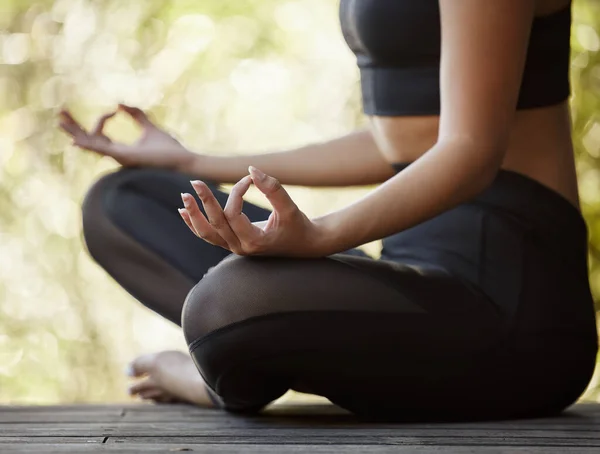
(224,76)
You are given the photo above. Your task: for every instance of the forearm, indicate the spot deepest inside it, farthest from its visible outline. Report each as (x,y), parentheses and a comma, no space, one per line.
(350,160)
(447,175)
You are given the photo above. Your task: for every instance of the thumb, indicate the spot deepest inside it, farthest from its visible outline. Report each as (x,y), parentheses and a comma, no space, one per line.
(272,189)
(137,114)
(99,128)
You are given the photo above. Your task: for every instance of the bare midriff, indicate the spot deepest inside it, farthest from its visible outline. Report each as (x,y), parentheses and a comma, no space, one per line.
(540,144)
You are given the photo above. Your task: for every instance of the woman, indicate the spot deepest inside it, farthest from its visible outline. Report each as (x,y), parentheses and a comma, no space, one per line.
(479,307)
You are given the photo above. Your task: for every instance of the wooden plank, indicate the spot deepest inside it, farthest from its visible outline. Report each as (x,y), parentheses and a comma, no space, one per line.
(311,412)
(316,414)
(319,415)
(298,449)
(244,427)
(50,428)
(49,440)
(60,417)
(108,408)
(233,428)
(70,423)
(318,437)
(356,440)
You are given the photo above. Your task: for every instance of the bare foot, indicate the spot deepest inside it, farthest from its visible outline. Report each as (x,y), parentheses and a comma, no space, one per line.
(169,376)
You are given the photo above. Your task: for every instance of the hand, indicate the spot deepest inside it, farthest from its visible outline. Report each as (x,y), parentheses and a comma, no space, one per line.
(155,148)
(288,232)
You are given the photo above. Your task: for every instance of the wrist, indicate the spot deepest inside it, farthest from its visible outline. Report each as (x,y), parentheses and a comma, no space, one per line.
(330,239)
(192,164)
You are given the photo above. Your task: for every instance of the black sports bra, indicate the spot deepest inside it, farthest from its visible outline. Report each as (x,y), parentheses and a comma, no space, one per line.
(397,46)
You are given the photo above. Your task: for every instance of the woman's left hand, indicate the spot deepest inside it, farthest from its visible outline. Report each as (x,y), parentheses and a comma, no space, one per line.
(288,232)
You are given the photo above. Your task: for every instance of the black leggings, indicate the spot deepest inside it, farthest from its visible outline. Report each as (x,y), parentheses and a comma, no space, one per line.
(483,312)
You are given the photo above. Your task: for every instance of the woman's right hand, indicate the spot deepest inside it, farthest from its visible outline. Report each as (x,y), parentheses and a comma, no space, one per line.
(155,148)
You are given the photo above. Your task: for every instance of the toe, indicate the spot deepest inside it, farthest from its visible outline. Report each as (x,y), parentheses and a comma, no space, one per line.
(142,365)
(152,394)
(158,396)
(141,386)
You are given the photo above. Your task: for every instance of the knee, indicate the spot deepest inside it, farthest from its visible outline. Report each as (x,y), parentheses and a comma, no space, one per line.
(94,209)
(92,206)
(101,206)
(233,291)
(107,196)
(103,191)
(104,198)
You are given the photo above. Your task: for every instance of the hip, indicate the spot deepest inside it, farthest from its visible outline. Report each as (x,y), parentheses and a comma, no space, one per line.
(521,244)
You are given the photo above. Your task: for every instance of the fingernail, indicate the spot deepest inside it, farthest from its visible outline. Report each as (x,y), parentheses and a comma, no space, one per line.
(185,198)
(181,210)
(259,175)
(198,186)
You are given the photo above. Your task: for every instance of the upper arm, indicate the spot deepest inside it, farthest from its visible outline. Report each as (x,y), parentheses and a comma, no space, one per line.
(484,47)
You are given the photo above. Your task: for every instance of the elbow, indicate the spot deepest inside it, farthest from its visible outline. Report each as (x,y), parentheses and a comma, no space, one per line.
(480,163)
(484,176)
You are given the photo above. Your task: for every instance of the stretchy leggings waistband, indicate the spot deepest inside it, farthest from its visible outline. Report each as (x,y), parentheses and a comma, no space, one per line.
(532,203)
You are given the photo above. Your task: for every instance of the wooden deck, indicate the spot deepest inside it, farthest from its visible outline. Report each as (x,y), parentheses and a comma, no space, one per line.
(299,429)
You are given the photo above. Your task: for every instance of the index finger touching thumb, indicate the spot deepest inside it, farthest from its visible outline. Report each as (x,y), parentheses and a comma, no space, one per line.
(272,189)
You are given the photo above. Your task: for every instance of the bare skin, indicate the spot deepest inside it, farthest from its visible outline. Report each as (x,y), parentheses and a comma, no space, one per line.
(168,376)
(539,146)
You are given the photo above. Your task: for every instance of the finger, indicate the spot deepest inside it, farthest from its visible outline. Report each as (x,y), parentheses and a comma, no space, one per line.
(186,218)
(272,189)
(235,201)
(74,129)
(239,222)
(99,144)
(98,130)
(81,139)
(215,214)
(67,117)
(70,125)
(137,114)
(71,130)
(201,224)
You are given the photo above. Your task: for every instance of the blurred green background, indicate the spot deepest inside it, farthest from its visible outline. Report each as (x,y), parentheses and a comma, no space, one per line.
(225,77)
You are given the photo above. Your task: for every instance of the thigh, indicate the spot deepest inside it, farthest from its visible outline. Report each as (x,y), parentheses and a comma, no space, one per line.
(337,326)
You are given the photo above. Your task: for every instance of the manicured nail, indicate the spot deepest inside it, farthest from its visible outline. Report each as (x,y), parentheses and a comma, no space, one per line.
(129,370)
(255,172)
(181,210)
(198,186)
(186,199)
